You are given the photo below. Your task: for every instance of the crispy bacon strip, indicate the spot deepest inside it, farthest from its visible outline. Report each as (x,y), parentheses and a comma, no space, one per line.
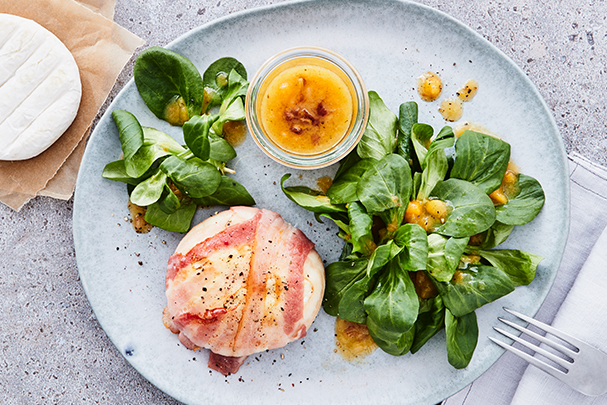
(225,365)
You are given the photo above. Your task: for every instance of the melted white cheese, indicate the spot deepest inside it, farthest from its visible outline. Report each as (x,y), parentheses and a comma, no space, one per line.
(40,88)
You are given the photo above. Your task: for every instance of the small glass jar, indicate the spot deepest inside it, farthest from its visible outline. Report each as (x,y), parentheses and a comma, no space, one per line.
(307,107)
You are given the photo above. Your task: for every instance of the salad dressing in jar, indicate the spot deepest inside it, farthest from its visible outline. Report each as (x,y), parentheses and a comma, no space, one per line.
(307,107)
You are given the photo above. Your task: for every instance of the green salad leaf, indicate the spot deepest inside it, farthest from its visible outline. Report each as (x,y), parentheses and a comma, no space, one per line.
(341,276)
(394,343)
(150,190)
(381,256)
(444,139)
(524,205)
(462,337)
(196,135)
(495,236)
(518,265)
(385,185)
(170,179)
(193,177)
(131,140)
(221,149)
(344,189)
(435,172)
(179,221)
(473,211)
(420,231)
(414,241)
(216,78)
(481,160)
(379,138)
(116,171)
(360,229)
(168,202)
(165,79)
(229,193)
(474,287)
(309,199)
(421,135)
(443,255)
(393,303)
(429,323)
(407,117)
(351,306)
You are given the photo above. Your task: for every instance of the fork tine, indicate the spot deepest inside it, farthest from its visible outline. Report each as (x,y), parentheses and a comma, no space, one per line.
(561,362)
(549,329)
(537,363)
(565,350)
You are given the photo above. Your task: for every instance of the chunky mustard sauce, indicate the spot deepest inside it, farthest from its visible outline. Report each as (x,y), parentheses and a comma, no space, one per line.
(451,109)
(468,90)
(307,108)
(353,340)
(429,86)
(235,132)
(176,112)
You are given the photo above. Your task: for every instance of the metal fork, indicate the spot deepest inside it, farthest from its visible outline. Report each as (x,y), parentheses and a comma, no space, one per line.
(586,369)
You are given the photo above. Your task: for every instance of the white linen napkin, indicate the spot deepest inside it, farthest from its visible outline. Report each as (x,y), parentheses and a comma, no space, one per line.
(582,315)
(509,380)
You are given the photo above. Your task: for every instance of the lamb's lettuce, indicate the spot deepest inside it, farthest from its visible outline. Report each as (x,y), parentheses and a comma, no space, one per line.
(379,138)
(444,254)
(382,256)
(179,221)
(229,193)
(414,240)
(193,177)
(343,189)
(393,303)
(384,190)
(310,199)
(394,343)
(154,163)
(474,287)
(360,229)
(429,323)
(518,265)
(385,185)
(473,211)
(216,78)
(407,117)
(421,135)
(341,276)
(462,337)
(445,139)
(524,204)
(165,79)
(196,135)
(494,236)
(407,283)
(481,160)
(150,190)
(434,172)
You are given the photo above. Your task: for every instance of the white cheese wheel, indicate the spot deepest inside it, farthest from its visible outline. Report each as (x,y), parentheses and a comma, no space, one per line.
(40,88)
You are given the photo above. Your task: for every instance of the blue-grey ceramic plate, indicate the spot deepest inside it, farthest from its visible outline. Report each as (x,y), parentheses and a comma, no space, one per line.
(391,43)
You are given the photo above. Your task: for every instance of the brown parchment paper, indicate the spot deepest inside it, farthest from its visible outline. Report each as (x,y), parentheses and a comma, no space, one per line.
(103,7)
(101,48)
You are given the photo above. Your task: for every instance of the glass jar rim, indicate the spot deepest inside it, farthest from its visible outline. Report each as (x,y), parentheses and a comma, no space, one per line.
(349,141)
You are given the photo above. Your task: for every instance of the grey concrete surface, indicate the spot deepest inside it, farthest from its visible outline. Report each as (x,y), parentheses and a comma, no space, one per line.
(53,351)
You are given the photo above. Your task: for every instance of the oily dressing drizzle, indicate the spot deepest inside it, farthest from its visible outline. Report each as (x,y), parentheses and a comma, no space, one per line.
(353,340)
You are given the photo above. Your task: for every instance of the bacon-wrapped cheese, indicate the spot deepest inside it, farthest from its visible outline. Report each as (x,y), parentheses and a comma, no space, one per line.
(241,282)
